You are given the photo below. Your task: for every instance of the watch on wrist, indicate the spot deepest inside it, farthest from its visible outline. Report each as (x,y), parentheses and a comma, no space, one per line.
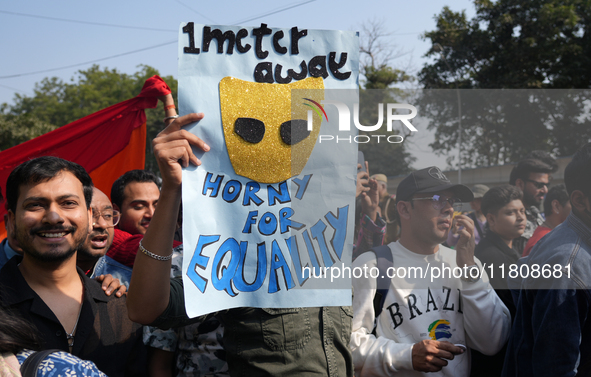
(470,277)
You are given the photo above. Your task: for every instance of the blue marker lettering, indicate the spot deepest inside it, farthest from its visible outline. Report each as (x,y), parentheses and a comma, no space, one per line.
(221,276)
(200,260)
(268,224)
(282,195)
(339,223)
(213,186)
(285,223)
(302,185)
(278,262)
(231,191)
(261,272)
(250,194)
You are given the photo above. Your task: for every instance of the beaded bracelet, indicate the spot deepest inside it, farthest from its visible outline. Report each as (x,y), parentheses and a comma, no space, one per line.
(154,256)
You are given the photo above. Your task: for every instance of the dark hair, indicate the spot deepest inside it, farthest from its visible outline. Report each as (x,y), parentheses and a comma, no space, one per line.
(117,196)
(525,167)
(42,169)
(577,175)
(498,197)
(16,334)
(555,193)
(543,156)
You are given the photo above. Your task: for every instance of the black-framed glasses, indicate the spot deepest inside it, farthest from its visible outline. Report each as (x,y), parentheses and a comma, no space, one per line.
(111,216)
(439,201)
(538,185)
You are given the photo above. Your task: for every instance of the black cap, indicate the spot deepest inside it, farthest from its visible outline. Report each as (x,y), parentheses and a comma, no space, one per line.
(430,180)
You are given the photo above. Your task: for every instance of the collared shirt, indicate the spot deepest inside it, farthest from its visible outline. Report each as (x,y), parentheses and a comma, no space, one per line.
(534,219)
(493,251)
(6,252)
(540,232)
(496,258)
(579,226)
(104,333)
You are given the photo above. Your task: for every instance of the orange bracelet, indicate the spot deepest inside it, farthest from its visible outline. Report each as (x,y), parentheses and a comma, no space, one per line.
(169,107)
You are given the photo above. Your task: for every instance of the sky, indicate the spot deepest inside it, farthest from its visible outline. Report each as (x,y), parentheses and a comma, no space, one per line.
(58,38)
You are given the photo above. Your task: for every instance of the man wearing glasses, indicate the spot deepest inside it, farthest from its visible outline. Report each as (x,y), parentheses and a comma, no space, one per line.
(532,176)
(92,257)
(437,302)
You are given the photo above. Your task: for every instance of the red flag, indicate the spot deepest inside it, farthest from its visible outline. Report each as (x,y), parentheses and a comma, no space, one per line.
(107,143)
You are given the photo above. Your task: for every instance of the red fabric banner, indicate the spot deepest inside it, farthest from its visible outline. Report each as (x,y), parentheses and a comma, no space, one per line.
(107,143)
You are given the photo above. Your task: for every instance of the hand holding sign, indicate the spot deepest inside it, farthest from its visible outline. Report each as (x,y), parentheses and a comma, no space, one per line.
(149,290)
(173,146)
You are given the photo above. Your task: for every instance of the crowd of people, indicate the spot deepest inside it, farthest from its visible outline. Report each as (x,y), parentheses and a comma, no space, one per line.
(97,282)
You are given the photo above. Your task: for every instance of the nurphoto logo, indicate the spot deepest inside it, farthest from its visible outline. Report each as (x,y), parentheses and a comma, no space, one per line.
(344,120)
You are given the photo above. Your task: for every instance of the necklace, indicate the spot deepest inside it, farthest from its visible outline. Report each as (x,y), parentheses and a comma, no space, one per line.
(70,335)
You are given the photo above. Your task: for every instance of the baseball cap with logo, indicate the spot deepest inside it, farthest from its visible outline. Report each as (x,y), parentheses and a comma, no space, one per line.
(430,180)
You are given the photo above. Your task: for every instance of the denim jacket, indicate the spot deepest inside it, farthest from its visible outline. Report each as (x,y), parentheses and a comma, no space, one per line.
(551,335)
(106,265)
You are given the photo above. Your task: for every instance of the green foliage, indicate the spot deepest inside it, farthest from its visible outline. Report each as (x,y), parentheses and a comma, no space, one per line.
(14,132)
(58,103)
(511,44)
(383,76)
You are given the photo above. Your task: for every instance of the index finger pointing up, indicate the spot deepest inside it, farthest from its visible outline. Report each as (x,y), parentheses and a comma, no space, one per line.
(182,121)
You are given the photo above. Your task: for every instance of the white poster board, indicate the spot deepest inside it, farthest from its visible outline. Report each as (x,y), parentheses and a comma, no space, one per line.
(269,202)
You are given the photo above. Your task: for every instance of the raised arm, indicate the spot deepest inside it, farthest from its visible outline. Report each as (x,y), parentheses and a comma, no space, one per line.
(149,290)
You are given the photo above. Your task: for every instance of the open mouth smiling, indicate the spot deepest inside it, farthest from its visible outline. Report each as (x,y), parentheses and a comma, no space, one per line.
(99,241)
(52,235)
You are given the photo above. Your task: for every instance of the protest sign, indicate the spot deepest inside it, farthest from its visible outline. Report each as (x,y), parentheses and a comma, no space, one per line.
(269,208)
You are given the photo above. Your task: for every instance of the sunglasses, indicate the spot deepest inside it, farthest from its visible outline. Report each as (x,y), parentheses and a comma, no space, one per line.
(538,185)
(439,202)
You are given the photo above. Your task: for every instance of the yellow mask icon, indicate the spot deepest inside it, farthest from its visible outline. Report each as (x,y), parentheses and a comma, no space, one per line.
(266,141)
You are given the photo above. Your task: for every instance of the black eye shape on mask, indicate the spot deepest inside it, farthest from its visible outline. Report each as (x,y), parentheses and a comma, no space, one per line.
(253,130)
(250,129)
(294,131)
